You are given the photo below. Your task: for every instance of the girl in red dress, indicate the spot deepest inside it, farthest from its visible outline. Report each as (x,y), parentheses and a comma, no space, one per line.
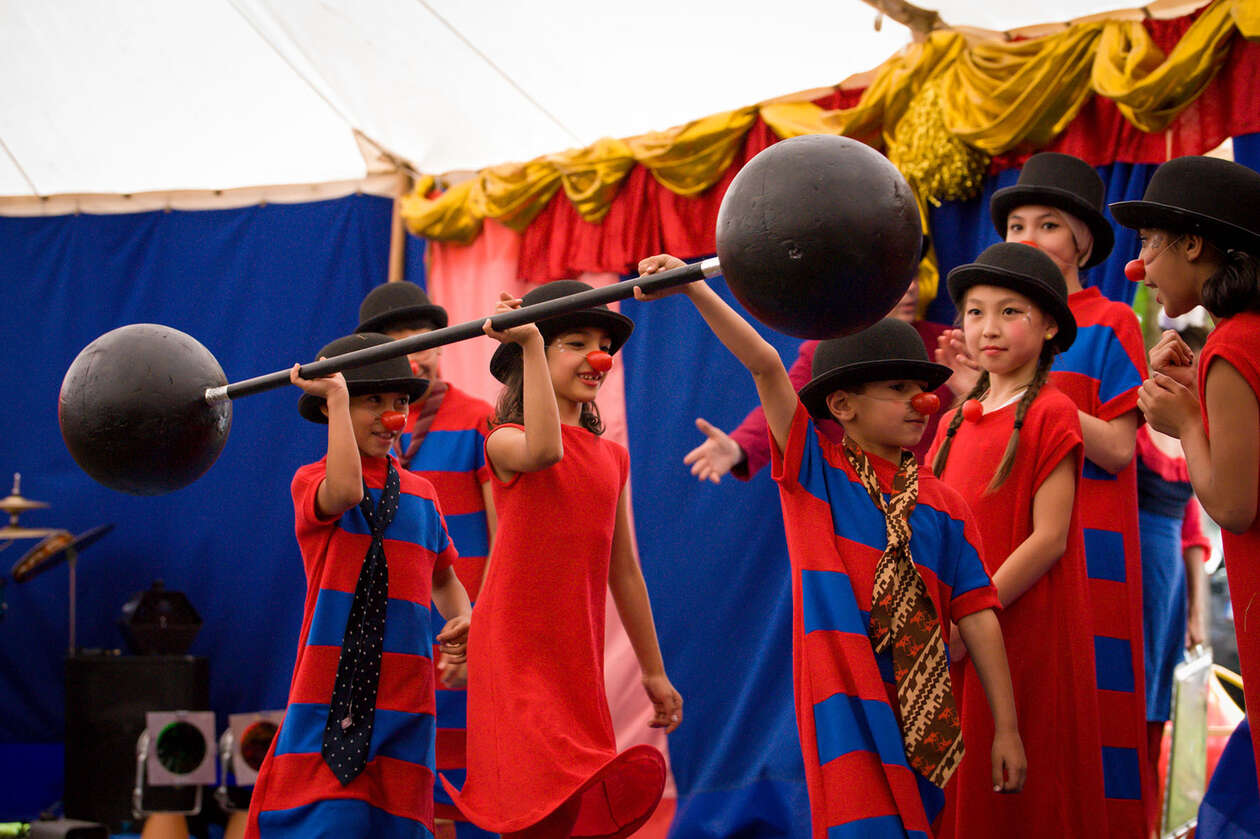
(1017,461)
(542,757)
(1200,231)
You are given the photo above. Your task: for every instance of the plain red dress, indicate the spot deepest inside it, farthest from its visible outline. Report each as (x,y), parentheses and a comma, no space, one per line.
(1237,341)
(1049,639)
(539,730)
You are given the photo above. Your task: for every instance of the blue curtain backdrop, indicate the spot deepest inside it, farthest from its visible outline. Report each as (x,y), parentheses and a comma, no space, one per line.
(261,288)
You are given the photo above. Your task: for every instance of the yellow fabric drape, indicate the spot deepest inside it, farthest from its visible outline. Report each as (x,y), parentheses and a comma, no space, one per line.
(994,96)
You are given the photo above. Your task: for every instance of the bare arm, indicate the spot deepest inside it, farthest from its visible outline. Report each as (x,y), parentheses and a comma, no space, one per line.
(453,604)
(1196,595)
(540,445)
(629,592)
(1223,472)
(1052,519)
(1110,443)
(983,636)
(342,486)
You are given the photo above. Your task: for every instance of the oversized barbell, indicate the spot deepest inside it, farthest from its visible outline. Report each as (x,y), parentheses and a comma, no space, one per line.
(817,237)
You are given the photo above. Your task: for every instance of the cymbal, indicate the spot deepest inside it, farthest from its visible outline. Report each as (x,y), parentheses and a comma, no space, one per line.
(18,504)
(53,550)
(27,532)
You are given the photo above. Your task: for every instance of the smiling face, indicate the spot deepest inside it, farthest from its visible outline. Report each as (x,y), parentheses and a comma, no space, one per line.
(1045,228)
(424,363)
(879,416)
(1004,330)
(370,433)
(572,376)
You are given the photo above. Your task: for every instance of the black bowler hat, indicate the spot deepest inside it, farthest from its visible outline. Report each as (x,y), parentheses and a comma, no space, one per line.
(391,304)
(891,349)
(1216,199)
(1066,183)
(618,325)
(392,375)
(1021,268)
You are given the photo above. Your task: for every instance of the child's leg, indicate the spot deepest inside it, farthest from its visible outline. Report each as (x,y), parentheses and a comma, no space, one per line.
(559,825)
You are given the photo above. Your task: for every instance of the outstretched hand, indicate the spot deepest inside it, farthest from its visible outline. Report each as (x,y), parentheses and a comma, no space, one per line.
(716,456)
(516,334)
(952,352)
(666,701)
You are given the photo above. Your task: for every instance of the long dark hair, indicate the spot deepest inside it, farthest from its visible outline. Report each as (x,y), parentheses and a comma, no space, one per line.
(1003,470)
(510,406)
(1235,287)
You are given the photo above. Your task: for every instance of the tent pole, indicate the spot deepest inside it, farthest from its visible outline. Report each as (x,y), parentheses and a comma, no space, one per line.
(398,232)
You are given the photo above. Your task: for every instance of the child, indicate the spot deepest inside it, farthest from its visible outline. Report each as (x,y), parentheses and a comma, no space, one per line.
(1057,206)
(354,756)
(444,442)
(1016,463)
(870,534)
(542,756)
(1200,245)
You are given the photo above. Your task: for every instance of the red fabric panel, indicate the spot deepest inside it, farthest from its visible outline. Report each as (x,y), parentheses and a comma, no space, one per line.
(646,218)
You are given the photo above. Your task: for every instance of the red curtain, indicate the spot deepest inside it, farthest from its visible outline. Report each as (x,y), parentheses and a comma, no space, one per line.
(646,218)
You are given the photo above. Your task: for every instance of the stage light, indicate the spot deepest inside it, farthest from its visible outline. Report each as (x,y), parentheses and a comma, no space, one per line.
(174,750)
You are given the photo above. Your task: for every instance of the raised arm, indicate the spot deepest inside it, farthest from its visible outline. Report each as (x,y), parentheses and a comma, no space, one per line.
(511,450)
(774,388)
(342,486)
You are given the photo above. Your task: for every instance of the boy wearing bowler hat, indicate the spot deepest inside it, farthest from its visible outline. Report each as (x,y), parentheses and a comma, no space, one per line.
(354,755)
(444,441)
(869,534)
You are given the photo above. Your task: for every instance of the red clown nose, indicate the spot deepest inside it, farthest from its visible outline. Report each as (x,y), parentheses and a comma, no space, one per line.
(393,420)
(600,361)
(1030,244)
(926,403)
(972,410)
(1135,270)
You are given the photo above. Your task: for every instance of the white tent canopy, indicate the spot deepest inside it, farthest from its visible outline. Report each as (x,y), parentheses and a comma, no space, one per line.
(145,95)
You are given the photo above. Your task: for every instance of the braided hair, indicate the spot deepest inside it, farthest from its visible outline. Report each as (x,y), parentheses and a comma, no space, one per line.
(1003,470)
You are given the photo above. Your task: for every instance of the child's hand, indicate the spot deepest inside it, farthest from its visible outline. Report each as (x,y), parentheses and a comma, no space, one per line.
(453,640)
(654,265)
(453,675)
(1173,357)
(322,387)
(516,335)
(716,456)
(1169,406)
(952,352)
(666,701)
(1010,766)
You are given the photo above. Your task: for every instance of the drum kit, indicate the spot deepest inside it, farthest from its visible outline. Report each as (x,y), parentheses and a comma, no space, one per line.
(56,546)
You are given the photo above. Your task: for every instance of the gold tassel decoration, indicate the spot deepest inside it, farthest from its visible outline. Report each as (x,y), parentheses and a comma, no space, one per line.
(938,165)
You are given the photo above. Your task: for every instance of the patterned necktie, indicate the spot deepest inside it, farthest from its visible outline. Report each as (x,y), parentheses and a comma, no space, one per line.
(352,711)
(424,421)
(904,621)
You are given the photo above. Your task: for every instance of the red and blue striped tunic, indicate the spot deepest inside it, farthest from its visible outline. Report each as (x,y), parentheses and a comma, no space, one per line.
(452,457)
(1102,372)
(297,796)
(860,783)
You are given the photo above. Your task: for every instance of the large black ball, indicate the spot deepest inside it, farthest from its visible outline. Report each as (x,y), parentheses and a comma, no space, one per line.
(133,411)
(819,236)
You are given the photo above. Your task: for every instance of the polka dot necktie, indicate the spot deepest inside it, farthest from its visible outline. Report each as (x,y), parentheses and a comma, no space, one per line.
(348,732)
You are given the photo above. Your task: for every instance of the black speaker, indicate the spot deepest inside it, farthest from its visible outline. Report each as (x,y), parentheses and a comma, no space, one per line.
(107,696)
